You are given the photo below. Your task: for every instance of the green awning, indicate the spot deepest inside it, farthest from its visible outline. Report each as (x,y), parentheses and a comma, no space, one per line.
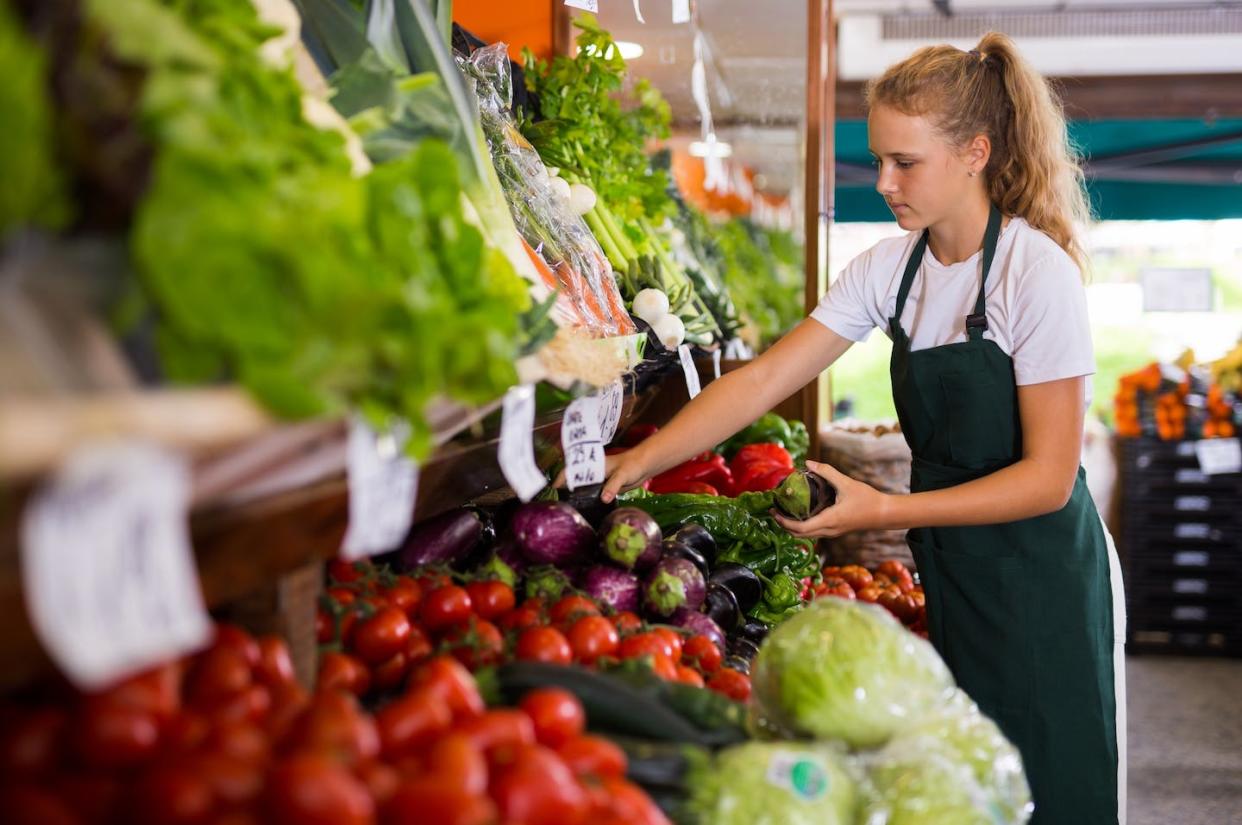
(1137,170)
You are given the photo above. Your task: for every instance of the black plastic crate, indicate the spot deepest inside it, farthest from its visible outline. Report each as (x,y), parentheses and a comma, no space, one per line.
(1224,565)
(1216,511)
(1183,611)
(1178,482)
(1150,455)
(1224,642)
(1189,532)
(1197,584)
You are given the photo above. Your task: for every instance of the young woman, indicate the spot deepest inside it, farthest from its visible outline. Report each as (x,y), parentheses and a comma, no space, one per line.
(983,299)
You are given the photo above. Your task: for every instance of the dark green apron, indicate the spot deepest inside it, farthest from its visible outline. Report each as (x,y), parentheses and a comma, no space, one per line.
(1022,611)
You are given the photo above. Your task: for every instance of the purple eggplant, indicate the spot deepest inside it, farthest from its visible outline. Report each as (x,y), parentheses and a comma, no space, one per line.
(696,536)
(508,551)
(673,584)
(447,538)
(551,532)
(699,624)
(617,589)
(674,548)
(630,538)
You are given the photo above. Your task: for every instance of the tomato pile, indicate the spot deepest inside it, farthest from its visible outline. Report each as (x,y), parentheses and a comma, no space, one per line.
(227,737)
(375,627)
(891,586)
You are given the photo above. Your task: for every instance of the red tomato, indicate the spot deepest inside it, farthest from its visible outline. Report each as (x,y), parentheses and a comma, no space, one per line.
(341,671)
(627,622)
(233,782)
(731,683)
(424,800)
(251,705)
(835,586)
(218,675)
(239,740)
(405,595)
(664,667)
(703,653)
(433,580)
(343,596)
(571,608)
(94,797)
(334,725)
(644,644)
(544,644)
(445,679)
(503,728)
(287,705)
(520,618)
(309,789)
(31,745)
(593,756)
(233,637)
(491,599)
(381,779)
(689,676)
(629,804)
(895,570)
(30,805)
(444,607)
(411,723)
(109,736)
(592,637)
(171,795)
(157,690)
(557,714)
(870,594)
(418,646)
(275,668)
(347,572)
(457,762)
(858,576)
(673,642)
(184,732)
(391,672)
(537,788)
(325,627)
(477,645)
(382,636)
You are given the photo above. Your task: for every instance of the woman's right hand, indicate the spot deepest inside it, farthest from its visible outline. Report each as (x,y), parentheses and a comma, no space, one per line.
(623,471)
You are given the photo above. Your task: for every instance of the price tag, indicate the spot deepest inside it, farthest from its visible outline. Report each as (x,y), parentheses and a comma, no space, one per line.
(107,570)
(611,402)
(681,11)
(1219,455)
(638,12)
(735,349)
(716,363)
(692,372)
(517,453)
(583,446)
(383,484)
(586,5)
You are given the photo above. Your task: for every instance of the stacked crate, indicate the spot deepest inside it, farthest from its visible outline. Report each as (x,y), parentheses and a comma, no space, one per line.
(1182,544)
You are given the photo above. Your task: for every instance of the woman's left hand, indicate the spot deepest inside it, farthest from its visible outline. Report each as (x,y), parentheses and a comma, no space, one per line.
(858,507)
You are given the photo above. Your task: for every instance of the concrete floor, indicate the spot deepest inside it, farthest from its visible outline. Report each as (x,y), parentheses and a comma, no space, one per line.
(1185,729)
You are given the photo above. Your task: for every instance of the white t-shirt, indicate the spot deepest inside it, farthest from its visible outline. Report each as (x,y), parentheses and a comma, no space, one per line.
(1036,304)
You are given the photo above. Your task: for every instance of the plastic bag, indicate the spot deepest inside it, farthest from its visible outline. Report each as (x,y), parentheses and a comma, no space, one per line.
(559,242)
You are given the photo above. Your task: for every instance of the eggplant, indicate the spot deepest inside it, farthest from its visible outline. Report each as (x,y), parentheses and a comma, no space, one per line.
(616,589)
(445,539)
(586,501)
(674,549)
(552,532)
(739,663)
(739,646)
(698,624)
(720,605)
(630,537)
(496,569)
(508,551)
(696,536)
(753,631)
(803,494)
(672,584)
(548,583)
(741,582)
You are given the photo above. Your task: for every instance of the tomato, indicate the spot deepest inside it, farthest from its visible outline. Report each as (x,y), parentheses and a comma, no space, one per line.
(343,596)
(184,732)
(544,644)
(703,653)
(381,779)
(405,594)
(445,679)
(491,599)
(391,672)
(895,570)
(341,671)
(31,744)
(233,781)
(457,762)
(239,740)
(870,594)
(94,797)
(628,804)
(689,676)
(334,725)
(411,722)
(157,690)
(347,572)
(382,636)
(252,705)
(275,668)
(418,646)
(672,642)
(644,644)
(592,637)
(288,702)
(431,579)
(858,576)
(835,586)
(309,789)
(627,622)
(325,627)
(108,735)
(424,800)
(593,756)
(538,788)
(664,667)
(444,607)
(173,794)
(557,715)
(520,618)
(476,645)
(218,675)
(731,683)
(894,601)
(234,638)
(503,728)
(30,805)
(570,608)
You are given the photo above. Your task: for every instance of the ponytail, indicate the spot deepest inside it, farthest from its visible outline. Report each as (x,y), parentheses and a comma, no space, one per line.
(1033,171)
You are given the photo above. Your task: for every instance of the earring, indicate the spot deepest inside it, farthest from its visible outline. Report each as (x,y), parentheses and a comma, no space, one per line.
(971,173)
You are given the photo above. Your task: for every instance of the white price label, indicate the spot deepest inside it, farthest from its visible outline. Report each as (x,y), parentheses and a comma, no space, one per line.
(716,363)
(691,371)
(586,5)
(517,452)
(1219,455)
(583,446)
(681,11)
(107,570)
(383,484)
(638,12)
(611,402)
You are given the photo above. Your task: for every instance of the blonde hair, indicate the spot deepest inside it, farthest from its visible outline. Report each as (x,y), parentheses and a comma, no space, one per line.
(1033,171)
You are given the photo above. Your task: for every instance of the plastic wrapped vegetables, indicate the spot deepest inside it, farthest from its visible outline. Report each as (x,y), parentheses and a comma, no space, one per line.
(559,241)
(849,671)
(777,783)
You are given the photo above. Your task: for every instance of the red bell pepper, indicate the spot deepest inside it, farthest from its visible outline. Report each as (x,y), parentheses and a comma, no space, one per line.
(760,479)
(762,454)
(713,471)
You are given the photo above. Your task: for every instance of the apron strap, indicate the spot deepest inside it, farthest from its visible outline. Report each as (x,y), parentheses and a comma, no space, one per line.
(977,321)
(912,267)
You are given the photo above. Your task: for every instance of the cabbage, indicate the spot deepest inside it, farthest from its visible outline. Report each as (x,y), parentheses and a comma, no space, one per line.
(849,671)
(919,787)
(777,783)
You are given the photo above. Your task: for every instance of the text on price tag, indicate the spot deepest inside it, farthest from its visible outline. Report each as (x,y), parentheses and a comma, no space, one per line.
(109,578)
(383,485)
(586,5)
(1218,456)
(580,439)
(517,452)
(611,402)
(693,387)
